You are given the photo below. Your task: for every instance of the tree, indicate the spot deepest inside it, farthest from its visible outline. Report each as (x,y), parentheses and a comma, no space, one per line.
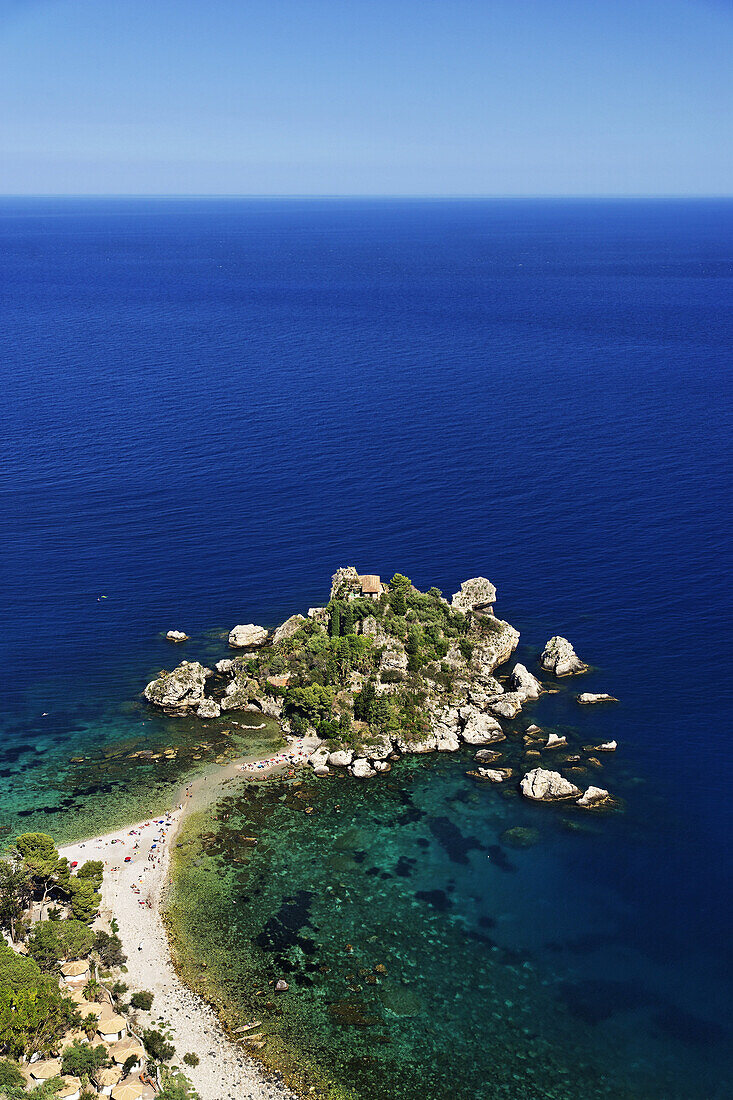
(85,898)
(191,1059)
(10,1075)
(398,602)
(33,1012)
(82,1059)
(335,622)
(347,620)
(363,701)
(142,999)
(157,1046)
(93,869)
(52,941)
(108,949)
(38,855)
(15,894)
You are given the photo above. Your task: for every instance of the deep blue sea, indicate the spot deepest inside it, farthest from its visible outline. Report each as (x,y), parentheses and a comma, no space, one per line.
(209,405)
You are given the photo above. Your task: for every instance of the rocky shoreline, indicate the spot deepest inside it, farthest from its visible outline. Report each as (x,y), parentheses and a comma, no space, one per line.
(384,670)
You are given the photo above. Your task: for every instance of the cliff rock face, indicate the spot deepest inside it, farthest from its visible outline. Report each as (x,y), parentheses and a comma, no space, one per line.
(559,657)
(474,594)
(507,705)
(182,689)
(344,582)
(480,728)
(494,647)
(208,708)
(545,786)
(289,627)
(247,636)
(522,680)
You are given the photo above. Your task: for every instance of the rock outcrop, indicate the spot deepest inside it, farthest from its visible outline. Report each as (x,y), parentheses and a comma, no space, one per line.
(594,796)
(208,708)
(362,769)
(587,697)
(507,705)
(494,647)
(247,636)
(474,594)
(341,758)
(345,582)
(559,657)
(289,627)
(541,785)
(176,636)
(555,742)
(480,728)
(182,689)
(522,680)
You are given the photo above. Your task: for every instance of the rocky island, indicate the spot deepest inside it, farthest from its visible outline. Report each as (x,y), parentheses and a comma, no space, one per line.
(384,670)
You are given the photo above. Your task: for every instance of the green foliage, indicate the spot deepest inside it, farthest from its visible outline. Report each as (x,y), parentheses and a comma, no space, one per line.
(400,581)
(363,701)
(15,894)
(108,949)
(37,854)
(466,649)
(10,1075)
(93,869)
(397,601)
(33,1013)
(191,1059)
(176,1087)
(52,941)
(435,593)
(335,621)
(82,1059)
(157,1046)
(312,703)
(85,898)
(142,999)
(129,1064)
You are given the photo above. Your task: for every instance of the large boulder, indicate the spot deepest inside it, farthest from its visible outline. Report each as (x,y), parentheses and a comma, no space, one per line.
(474,594)
(289,627)
(593,797)
(341,758)
(587,697)
(208,708)
(446,727)
(507,705)
(362,769)
(377,746)
(247,636)
(319,758)
(176,636)
(559,657)
(480,728)
(542,785)
(521,679)
(494,647)
(345,583)
(182,689)
(427,743)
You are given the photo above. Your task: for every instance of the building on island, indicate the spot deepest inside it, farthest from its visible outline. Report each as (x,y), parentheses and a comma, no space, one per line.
(371,586)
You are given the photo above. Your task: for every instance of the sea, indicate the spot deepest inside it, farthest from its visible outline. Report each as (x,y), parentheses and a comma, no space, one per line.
(211,404)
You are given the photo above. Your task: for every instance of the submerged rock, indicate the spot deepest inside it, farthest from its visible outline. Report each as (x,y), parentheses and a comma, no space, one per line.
(520,837)
(587,697)
(522,680)
(176,636)
(247,636)
(289,627)
(559,657)
(181,689)
(475,594)
(487,756)
(542,785)
(496,775)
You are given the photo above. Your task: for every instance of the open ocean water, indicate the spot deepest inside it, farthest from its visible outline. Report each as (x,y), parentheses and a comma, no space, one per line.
(208,406)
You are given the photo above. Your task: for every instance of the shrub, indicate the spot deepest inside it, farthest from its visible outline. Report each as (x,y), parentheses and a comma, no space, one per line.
(82,1059)
(157,1046)
(109,949)
(142,999)
(191,1059)
(10,1075)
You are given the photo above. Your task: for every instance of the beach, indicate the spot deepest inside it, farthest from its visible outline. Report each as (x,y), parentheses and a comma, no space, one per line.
(136,871)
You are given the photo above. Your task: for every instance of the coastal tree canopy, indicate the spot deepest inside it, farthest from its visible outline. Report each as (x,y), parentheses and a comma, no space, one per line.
(52,941)
(82,1059)
(33,1012)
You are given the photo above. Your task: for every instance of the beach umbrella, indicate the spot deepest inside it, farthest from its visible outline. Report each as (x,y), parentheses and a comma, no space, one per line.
(45,1070)
(131,1089)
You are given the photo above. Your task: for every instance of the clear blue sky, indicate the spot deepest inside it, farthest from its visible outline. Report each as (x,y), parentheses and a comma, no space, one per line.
(489,97)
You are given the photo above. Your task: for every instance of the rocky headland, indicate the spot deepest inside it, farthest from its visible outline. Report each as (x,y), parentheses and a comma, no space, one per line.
(384,670)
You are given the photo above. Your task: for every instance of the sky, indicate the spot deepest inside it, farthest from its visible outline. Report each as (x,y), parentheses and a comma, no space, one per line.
(367,97)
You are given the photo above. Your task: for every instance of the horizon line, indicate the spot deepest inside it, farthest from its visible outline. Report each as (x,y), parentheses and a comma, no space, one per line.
(432,196)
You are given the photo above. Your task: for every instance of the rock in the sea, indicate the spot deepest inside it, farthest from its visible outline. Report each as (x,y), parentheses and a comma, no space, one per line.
(480,729)
(520,836)
(559,657)
(382,766)
(475,594)
(487,756)
(607,746)
(247,636)
(321,769)
(289,627)
(319,758)
(554,741)
(523,681)
(176,636)
(594,796)
(507,705)
(542,785)
(208,708)
(181,689)
(587,697)
(362,769)
(341,758)
(496,775)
